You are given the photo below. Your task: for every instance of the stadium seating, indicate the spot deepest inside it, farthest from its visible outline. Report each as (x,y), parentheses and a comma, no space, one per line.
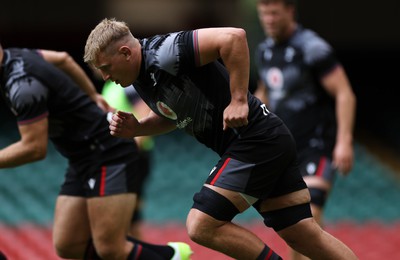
(365,203)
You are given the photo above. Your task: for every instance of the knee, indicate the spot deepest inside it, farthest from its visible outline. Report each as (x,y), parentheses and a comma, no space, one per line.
(66,250)
(195,233)
(197,230)
(302,232)
(210,211)
(107,250)
(62,252)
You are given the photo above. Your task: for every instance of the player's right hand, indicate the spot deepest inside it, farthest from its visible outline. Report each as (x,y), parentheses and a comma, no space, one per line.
(123,124)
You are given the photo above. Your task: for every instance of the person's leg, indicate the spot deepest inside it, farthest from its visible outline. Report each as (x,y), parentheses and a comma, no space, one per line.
(308,238)
(318,174)
(71,230)
(2,256)
(135,229)
(319,188)
(109,220)
(223,236)
(173,250)
(305,235)
(209,225)
(94,210)
(248,172)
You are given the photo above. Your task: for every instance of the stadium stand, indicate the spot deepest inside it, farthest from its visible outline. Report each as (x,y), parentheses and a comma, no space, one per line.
(363,204)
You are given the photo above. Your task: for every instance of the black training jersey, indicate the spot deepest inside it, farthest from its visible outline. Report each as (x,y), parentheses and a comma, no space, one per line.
(174,86)
(33,88)
(291,71)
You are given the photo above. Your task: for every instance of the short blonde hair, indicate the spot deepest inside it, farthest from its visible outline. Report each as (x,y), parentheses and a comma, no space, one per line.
(103,35)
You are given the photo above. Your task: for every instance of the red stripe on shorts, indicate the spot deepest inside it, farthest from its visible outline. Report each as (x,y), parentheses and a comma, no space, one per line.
(103,180)
(321,166)
(269,254)
(139,251)
(220,171)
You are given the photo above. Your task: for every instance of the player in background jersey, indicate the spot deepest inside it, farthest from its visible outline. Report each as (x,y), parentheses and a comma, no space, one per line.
(180,78)
(301,80)
(45,90)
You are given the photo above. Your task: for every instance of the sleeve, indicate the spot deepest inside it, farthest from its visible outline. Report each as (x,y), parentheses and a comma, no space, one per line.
(176,52)
(319,55)
(187,42)
(29,99)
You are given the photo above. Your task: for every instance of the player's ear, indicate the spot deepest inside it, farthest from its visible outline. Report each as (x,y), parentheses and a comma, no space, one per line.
(126,51)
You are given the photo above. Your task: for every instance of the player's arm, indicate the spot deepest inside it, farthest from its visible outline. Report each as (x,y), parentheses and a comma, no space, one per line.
(66,63)
(31,147)
(229,44)
(126,125)
(141,111)
(338,85)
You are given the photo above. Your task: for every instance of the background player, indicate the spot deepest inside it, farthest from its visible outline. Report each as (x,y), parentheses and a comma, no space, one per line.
(96,201)
(304,84)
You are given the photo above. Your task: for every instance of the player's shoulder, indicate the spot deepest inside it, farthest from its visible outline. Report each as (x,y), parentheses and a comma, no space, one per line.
(168,52)
(306,33)
(26,54)
(27,89)
(312,45)
(155,41)
(308,39)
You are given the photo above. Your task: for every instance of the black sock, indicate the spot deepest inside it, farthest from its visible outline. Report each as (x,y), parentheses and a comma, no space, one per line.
(139,252)
(165,251)
(268,254)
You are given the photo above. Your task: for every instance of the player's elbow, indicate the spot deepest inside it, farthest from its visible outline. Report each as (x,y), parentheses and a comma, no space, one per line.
(64,56)
(64,59)
(241,33)
(237,34)
(38,152)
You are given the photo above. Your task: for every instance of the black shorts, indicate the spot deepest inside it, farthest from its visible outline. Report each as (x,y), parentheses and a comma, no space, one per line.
(263,166)
(316,163)
(98,175)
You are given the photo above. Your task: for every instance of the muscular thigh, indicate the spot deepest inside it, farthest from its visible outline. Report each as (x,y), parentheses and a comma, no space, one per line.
(110,215)
(284,201)
(71,225)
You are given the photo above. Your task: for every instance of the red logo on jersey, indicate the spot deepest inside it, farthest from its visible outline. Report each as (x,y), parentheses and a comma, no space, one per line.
(166,111)
(275,78)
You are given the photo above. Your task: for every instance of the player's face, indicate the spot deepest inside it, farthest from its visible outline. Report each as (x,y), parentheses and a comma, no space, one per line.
(115,66)
(276,19)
